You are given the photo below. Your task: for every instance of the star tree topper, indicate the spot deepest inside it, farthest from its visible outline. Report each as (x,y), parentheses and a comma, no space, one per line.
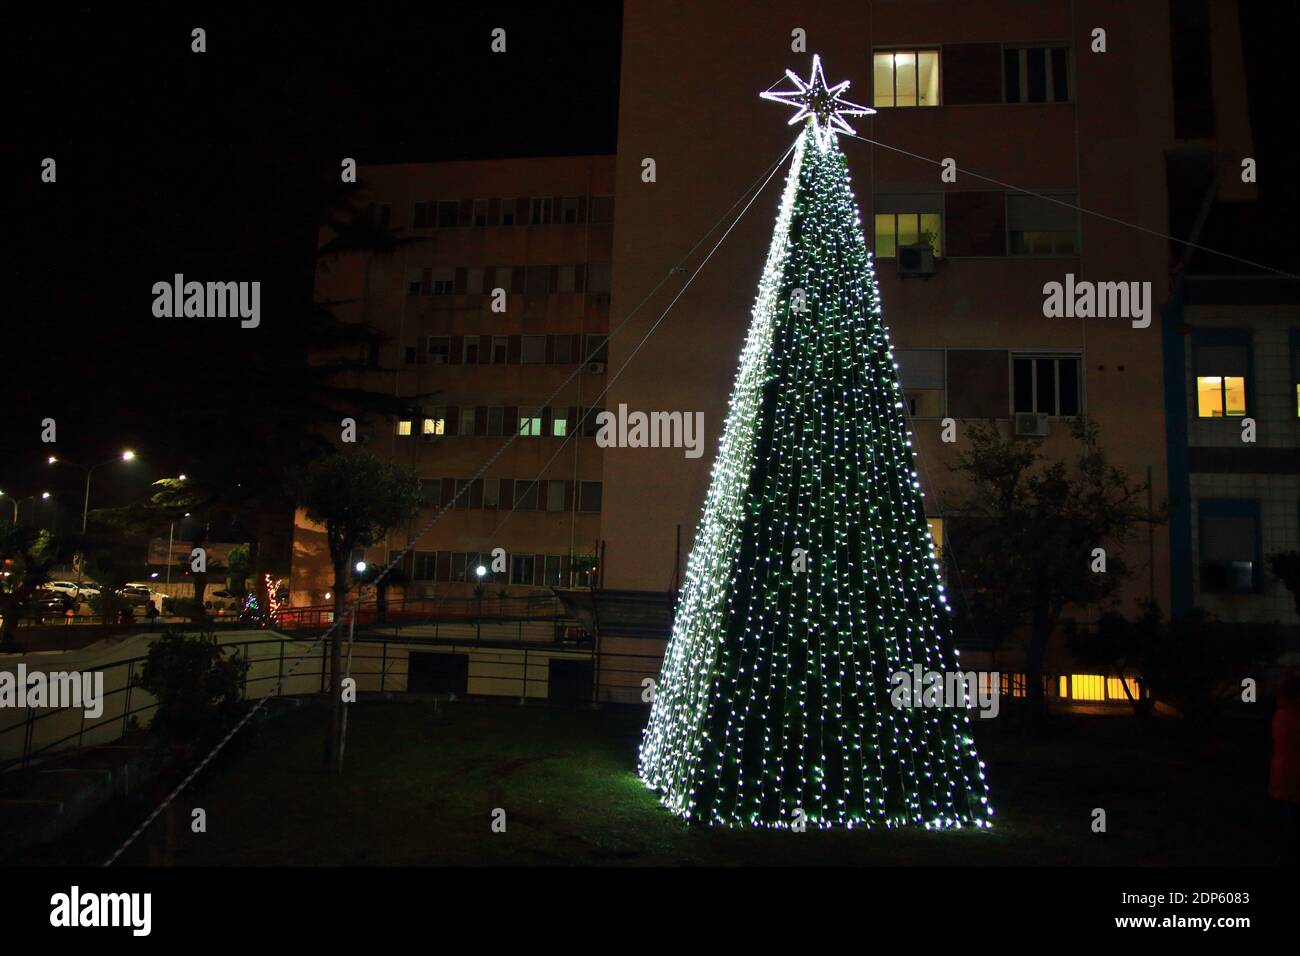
(824,104)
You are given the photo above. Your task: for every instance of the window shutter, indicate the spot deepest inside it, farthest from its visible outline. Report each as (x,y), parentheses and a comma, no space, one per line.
(553,280)
(426,281)
(518,279)
(972,73)
(514,349)
(568,496)
(521,211)
(506,497)
(453,420)
(457,350)
(510,420)
(481,420)
(443,570)
(448,492)
(978,383)
(575,349)
(579,278)
(489,279)
(461,281)
(476,494)
(466,216)
(582,208)
(484,349)
(976,224)
(557,209)
(1222,360)
(494,211)
(550,350)
(1228,538)
(539,569)
(546,420)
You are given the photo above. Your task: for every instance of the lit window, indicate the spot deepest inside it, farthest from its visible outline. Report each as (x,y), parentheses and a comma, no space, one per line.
(1115,688)
(530,420)
(559,423)
(936,533)
(906,78)
(1221,371)
(1086,687)
(435,426)
(404,427)
(921,373)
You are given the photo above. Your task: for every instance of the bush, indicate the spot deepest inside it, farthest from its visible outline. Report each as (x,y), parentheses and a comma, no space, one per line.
(183,607)
(199,689)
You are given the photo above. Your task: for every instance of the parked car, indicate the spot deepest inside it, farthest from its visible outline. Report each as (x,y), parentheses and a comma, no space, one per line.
(222,601)
(54,604)
(137,594)
(85,589)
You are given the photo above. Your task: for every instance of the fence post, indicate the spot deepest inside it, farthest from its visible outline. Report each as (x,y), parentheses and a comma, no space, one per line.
(126,708)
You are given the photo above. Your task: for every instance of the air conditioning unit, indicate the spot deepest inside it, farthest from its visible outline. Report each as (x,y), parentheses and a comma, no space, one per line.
(1031,424)
(917,260)
(596,368)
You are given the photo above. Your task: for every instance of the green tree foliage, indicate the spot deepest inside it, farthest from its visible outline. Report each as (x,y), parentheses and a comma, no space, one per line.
(1024,534)
(198,686)
(357,498)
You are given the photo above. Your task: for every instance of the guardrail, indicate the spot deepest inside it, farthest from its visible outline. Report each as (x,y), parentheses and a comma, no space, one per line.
(286,667)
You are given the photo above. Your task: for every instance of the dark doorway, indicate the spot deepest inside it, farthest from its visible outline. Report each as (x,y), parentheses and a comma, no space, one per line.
(569,680)
(431,673)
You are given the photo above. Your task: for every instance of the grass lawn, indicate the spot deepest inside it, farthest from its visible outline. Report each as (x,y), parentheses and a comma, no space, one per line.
(420,785)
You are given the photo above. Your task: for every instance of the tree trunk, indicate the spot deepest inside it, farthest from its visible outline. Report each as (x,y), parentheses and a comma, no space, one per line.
(1035,692)
(335,736)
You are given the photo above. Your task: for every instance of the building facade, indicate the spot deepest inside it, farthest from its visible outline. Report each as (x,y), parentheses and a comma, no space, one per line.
(493,310)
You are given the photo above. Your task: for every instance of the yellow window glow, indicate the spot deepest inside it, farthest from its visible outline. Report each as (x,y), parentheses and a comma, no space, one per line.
(904,79)
(1234,387)
(404,427)
(930,231)
(909,228)
(936,533)
(434,426)
(886,237)
(1209,396)
(1087,687)
(928,77)
(882,77)
(1115,688)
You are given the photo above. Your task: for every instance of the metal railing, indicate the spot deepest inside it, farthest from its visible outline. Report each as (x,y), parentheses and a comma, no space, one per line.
(287,667)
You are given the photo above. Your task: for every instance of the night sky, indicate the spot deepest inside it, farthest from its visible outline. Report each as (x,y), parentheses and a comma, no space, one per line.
(213,166)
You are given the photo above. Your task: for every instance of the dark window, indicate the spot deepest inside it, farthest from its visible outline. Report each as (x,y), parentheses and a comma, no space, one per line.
(439,349)
(508,211)
(420,218)
(597,348)
(525,496)
(1036,74)
(1229,546)
(971,74)
(538,279)
(447,213)
(409,354)
(521,569)
(589,496)
(431,492)
(426,564)
(562,351)
(977,383)
(1042,226)
(975,224)
(602,209)
(1046,384)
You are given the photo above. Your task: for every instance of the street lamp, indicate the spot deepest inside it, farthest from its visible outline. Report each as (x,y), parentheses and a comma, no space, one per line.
(127,455)
(44,496)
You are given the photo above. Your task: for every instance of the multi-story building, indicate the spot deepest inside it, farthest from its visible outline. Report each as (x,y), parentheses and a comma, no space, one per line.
(1023,142)
(1071,101)
(493,311)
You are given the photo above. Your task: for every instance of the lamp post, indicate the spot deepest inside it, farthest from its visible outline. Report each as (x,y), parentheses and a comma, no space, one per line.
(127,455)
(14,502)
(44,496)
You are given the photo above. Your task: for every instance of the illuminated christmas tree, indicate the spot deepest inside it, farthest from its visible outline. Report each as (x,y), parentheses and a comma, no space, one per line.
(813,577)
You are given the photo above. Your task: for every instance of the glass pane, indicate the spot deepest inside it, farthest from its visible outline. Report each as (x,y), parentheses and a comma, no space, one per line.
(882,78)
(909,232)
(931,231)
(904,79)
(1060,74)
(1069,372)
(886,241)
(1045,398)
(1036,69)
(928,77)
(1023,385)
(1209,396)
(1011,71)
(1235,389)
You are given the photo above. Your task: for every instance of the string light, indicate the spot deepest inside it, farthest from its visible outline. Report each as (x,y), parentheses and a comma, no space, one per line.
(773,706)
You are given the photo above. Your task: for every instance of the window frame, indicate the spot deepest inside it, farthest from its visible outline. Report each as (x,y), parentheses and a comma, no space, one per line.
(936,48)
(1022,48)
(1229,508)
(1034,357)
